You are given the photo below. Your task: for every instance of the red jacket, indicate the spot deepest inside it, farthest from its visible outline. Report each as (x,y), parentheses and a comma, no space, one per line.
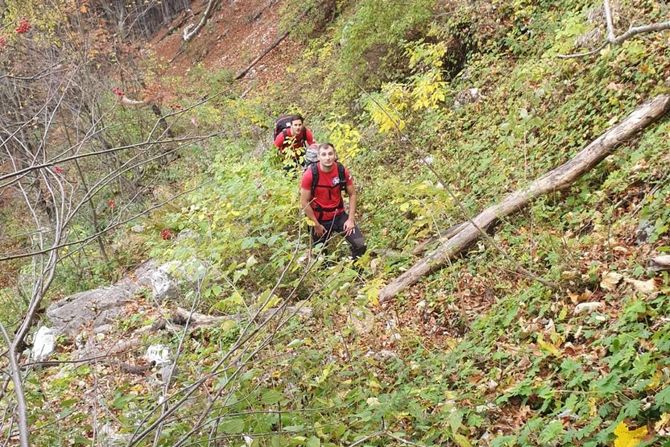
(327,193)
(284,139)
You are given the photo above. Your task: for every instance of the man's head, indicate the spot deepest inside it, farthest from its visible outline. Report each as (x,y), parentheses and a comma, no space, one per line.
(296,124)
(327,155)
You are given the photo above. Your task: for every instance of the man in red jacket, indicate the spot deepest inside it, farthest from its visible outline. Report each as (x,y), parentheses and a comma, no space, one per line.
(292,141)
(321,199)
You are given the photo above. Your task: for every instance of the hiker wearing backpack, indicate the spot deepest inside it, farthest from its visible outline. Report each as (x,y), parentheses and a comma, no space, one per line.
(321,199)
(292,137)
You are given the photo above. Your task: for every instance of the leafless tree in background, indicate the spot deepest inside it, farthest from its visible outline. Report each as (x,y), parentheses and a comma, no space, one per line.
(70,152)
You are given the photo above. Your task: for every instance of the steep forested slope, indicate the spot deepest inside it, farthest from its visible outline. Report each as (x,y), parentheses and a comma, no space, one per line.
(553,330)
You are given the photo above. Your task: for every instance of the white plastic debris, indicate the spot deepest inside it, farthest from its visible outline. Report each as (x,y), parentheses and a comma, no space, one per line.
(588,307)
(44,344)
(158,354)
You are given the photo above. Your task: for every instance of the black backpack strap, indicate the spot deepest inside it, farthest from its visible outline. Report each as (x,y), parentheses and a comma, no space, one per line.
(340,173)
(315,177)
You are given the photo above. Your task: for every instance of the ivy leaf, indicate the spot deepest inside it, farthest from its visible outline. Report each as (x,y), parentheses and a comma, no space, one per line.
(663,397)
(232,426)
(551,433)
(628,438)
(271,397)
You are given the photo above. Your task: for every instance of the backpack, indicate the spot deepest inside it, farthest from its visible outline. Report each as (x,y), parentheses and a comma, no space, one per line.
(315,176)
(282,123)
(315,180)
(311,155)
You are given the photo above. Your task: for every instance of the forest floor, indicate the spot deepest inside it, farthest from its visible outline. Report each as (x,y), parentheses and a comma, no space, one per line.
(236,34)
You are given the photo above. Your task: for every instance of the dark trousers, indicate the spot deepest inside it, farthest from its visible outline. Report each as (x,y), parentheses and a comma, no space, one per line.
(355,239)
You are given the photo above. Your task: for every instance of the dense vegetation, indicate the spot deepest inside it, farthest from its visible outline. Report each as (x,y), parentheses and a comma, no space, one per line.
(439,109)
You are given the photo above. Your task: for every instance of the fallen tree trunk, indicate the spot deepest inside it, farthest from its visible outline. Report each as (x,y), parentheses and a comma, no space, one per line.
(557,179)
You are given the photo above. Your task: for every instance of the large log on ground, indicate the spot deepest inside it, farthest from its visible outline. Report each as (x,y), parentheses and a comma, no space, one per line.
(559,178)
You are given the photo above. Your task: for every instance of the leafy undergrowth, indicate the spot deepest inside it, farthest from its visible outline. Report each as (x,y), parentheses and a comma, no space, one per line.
(478,353)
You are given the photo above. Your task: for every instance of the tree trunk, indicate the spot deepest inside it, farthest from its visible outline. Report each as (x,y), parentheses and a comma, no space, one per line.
(190,32)
(557,179)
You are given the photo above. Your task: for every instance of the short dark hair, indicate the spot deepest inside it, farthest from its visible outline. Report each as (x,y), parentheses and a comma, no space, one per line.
(326,146)
(297,117)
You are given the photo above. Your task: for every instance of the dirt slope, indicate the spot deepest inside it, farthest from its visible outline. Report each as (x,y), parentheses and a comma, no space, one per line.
(238,32)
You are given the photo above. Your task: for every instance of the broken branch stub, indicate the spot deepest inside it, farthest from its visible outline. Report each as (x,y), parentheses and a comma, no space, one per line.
(557,179)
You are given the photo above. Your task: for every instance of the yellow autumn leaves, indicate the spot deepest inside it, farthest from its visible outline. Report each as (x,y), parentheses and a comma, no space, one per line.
(628,438)
(425,91)
(625,437)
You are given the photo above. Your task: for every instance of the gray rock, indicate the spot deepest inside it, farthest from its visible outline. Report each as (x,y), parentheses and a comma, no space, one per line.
(100,306)
(167,280)
(104,329)
(385,354)
(164,283)
(644,231)
(186,234)
(361,320)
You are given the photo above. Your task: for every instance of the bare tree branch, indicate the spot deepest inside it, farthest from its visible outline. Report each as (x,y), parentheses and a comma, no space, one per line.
(612,38)
(634,31)
(105,230)
(609,21)
(15,373)
(405,140)
(107,151)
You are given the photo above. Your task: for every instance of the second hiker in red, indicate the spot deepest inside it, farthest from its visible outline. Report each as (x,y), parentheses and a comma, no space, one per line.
(293,141)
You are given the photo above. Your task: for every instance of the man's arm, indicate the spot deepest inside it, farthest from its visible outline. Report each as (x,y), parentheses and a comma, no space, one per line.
(305,198)
(279,141)
(351,221)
